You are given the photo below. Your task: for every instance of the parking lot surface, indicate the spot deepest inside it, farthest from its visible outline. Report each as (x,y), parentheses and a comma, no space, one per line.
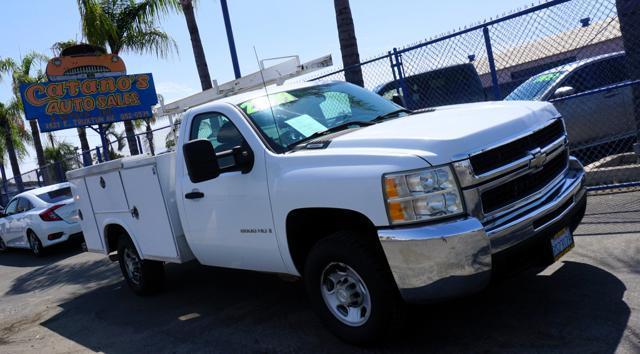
(76,302)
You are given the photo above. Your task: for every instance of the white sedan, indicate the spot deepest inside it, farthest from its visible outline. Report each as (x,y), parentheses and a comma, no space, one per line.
(40,218)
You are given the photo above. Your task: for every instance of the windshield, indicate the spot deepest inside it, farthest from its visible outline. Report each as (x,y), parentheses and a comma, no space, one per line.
(300,113)
(535,87)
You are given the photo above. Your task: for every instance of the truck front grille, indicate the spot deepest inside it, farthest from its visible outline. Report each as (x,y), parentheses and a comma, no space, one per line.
(521,187)
(517,149)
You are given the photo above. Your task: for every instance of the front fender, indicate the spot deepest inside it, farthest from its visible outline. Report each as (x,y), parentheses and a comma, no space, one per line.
(340,180)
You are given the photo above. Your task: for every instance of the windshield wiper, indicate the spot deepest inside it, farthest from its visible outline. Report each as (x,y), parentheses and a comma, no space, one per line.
(391,114)
(337,128)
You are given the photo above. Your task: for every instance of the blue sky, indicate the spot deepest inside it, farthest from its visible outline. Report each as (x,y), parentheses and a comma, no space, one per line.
(275,28)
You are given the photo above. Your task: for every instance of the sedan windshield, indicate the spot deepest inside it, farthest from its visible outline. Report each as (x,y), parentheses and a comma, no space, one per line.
(535,87)
(288,118)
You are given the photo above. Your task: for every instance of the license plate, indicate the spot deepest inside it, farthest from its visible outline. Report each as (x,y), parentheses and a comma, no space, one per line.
(561,243)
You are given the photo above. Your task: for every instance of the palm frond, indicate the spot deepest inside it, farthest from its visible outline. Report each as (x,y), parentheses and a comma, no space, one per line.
(7,66)
(150,41)
(58,47)
(125,25)
(97,26)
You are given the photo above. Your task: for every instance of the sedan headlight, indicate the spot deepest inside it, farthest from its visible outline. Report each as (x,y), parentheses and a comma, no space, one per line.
(422,195)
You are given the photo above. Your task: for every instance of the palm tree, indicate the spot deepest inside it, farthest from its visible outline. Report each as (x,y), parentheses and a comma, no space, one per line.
(23,72)
(13,138)
(57,48)
(348,43)
(196,43)
(148,131)
(127,25)
(58,155)
(172,137)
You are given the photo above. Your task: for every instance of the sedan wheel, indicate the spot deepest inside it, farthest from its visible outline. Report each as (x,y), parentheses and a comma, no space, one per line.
(3,246)
(35,244)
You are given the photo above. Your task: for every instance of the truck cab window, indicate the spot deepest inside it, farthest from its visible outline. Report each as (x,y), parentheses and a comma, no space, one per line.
(220,132)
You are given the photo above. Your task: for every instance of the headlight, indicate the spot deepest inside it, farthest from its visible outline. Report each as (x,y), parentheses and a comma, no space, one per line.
(422,195)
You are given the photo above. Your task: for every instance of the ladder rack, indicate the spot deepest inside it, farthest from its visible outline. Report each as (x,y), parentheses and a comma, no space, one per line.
(276,74)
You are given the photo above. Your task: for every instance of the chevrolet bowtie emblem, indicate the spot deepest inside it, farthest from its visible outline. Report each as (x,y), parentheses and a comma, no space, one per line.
(538,160)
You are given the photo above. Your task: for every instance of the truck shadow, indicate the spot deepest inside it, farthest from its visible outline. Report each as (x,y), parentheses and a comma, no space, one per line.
(578,308)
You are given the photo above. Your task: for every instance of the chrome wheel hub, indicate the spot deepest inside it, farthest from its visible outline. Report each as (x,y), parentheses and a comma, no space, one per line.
(345,294)
(132,265)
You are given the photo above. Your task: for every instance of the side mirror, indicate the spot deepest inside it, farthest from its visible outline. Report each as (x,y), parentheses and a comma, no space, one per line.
(201,160)
(243,158)
(397,100)
(564,91)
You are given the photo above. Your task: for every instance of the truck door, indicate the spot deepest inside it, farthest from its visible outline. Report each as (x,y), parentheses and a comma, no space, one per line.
(228,220)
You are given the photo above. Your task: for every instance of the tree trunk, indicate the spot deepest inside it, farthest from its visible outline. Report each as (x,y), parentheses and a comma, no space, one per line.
(629,15)
(348,43)
(196,43)
(5,193)
(150,138)
(13,158)
(131,137)
(37,145)
(84,146)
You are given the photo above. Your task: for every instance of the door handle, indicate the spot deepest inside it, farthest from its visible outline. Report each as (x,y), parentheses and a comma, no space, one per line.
(611,94)
(194,195)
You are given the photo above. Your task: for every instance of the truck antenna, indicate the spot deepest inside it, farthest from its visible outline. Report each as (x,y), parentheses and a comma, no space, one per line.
(264,84)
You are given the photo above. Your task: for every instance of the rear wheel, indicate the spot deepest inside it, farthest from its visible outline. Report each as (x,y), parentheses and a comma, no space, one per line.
(352,290)
(35,244)
(144,277)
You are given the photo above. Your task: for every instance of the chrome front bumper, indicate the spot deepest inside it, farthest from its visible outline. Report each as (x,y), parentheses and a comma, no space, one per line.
(444,260)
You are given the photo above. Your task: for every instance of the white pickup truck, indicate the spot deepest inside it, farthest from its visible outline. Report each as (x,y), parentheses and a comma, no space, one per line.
(370,204)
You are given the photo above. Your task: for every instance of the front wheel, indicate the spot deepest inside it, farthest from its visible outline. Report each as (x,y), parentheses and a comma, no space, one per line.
(35,244)
(352,290)
(144,277)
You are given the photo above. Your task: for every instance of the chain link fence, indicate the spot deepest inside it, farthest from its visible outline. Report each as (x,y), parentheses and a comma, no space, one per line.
(151,141)
(568,52)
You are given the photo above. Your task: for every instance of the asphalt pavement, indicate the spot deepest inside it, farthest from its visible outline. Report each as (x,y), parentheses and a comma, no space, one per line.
(76,302)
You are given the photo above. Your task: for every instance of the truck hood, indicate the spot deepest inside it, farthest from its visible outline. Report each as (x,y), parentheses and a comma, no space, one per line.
(453,132)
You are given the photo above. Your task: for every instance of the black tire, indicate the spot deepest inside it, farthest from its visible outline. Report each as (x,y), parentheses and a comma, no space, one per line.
(386,312)
(145,277)
(3,246)
(35,244)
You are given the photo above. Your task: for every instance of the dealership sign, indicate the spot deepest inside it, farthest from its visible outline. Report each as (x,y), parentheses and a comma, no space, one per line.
(77,103)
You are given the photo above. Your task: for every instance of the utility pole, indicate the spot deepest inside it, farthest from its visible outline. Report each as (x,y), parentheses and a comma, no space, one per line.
(232,42)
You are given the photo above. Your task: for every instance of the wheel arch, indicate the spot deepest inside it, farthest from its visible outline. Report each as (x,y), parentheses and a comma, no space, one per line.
(112,232)
(306,226)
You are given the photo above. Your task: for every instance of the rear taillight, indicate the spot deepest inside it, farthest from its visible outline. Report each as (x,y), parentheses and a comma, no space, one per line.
(50,214)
